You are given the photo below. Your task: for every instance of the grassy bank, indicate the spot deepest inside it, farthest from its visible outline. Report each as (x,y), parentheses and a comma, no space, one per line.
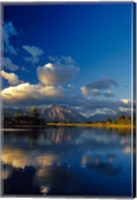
(96,125)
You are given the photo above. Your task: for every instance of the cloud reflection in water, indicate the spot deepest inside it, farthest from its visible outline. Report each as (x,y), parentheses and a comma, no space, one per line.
(61,156)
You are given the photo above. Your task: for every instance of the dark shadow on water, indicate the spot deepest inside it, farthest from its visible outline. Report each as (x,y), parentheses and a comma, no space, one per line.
(20,183)
(106,168)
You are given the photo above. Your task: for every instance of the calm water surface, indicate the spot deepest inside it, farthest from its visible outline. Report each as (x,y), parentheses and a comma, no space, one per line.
(67,161)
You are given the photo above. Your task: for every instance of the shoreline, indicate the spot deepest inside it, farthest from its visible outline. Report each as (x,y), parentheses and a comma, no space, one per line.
(92,125)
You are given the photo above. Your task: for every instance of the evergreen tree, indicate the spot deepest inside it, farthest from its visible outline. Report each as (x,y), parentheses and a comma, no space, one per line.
(34,112)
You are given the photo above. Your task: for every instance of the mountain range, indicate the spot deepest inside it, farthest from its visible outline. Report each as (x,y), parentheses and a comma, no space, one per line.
(61,113)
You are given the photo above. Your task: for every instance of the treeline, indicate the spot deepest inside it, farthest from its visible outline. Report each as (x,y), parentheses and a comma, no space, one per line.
(123,119)
(30,118)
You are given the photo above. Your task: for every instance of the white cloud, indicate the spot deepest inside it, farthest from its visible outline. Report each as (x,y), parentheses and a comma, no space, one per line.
(84,90)
(70,85)
(108,93)
(27,91)
(48,90)
(8,31)
(125,101)
(95,92)
(57,73)
(8,64)
(100,87)
(64,59)
(123,109)
(104,111)
(34,53)
(11,78)
(68,59)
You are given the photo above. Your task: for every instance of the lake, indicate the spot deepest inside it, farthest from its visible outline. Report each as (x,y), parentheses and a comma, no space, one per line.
(67,161)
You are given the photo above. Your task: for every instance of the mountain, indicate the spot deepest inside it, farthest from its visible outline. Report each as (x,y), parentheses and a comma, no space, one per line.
(58,113)
(103,117)
(100,117)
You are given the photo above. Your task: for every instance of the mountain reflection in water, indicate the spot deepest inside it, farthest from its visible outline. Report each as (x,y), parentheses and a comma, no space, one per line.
(67,161)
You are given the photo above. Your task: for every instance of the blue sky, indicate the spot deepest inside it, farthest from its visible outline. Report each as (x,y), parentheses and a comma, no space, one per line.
(73,54)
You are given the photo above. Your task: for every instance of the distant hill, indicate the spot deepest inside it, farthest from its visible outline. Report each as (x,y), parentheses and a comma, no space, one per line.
(100,117)
(103,117)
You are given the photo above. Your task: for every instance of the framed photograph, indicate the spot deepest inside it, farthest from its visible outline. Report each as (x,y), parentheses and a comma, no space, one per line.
(68,99)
